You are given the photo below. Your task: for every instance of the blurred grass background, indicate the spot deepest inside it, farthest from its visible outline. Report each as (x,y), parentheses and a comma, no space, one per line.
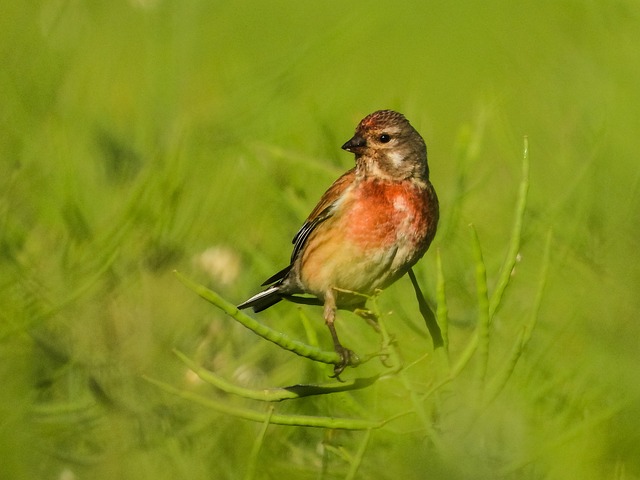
(146,136)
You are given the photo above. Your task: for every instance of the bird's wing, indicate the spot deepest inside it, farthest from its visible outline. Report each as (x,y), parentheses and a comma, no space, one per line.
(323,210)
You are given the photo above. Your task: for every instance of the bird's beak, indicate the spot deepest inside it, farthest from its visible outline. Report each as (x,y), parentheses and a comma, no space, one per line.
(355,145)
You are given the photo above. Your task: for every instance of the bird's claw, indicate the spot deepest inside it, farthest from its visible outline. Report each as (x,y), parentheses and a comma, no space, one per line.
(347,358)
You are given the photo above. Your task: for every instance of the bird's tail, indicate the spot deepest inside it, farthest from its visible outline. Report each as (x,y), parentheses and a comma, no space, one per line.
(263,300)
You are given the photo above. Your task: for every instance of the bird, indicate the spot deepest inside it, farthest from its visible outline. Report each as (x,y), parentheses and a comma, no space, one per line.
(368,229)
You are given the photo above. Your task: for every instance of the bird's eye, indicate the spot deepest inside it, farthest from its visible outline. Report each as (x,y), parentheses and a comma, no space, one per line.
(384,138)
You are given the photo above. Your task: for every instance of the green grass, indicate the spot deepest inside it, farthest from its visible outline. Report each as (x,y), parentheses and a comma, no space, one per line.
(138,138)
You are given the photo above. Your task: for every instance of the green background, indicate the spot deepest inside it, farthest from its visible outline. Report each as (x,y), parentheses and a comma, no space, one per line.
(146,136)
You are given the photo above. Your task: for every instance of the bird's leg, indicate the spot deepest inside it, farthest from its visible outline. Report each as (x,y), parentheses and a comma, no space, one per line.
(347,357)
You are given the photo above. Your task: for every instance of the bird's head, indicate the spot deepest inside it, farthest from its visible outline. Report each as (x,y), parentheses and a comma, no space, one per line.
(386,145)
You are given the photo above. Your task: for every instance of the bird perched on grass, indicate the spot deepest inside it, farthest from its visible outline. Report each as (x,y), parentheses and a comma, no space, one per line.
(368,229)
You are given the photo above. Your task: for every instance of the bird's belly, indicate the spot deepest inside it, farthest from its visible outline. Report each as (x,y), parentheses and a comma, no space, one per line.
(346,266)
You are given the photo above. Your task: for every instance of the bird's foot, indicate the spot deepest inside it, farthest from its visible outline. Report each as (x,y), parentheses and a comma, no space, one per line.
(347,359)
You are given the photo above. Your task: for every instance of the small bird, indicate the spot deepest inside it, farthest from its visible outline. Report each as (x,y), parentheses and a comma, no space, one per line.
(368,229)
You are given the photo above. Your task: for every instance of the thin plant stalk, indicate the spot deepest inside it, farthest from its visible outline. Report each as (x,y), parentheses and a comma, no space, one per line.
(280,339)
(275,394)
(509,263)
(276,419)
(257,446)
(500,380)
(357,461)
(482,330)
